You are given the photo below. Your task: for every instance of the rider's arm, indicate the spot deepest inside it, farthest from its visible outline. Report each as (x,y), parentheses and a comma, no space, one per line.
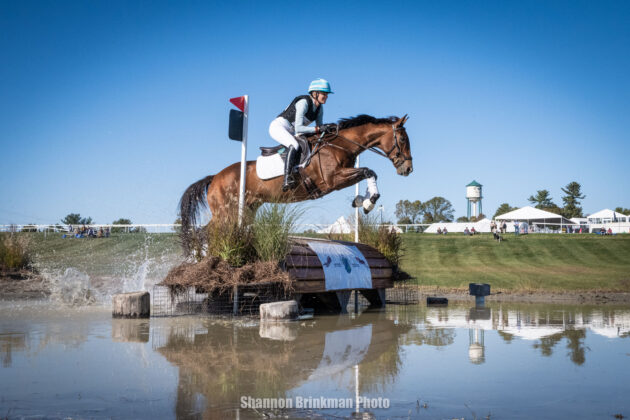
(320,116)
(301,107)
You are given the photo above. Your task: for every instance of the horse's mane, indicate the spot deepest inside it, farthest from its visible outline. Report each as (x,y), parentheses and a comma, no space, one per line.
(364,119)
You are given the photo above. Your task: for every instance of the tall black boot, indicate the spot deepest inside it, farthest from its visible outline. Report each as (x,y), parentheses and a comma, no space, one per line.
(289,165)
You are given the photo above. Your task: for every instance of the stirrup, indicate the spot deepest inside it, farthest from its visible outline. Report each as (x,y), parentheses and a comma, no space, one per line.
(290,183)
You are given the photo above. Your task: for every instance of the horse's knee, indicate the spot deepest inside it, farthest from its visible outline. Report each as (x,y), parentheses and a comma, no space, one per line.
(368,173)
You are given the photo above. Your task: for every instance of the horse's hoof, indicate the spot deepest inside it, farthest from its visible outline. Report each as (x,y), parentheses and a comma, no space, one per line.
(374,198)
(368,205)
(358,201)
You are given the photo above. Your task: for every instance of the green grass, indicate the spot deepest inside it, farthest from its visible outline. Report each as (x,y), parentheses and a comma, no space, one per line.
(113,256)
(523,263)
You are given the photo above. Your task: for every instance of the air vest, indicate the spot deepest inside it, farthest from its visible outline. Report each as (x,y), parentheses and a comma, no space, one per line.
(289,112)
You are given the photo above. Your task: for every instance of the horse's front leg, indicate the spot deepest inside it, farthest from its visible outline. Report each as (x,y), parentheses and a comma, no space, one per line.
(371,195)
(350,176)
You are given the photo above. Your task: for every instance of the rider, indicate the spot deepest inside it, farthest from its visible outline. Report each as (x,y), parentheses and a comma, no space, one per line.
(300,113)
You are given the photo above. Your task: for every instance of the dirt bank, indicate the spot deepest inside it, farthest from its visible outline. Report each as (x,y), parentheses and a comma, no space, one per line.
(26,284)
(531,296)
(22,284)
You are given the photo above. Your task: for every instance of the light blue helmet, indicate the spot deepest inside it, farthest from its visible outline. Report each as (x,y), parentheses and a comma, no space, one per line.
(320,85)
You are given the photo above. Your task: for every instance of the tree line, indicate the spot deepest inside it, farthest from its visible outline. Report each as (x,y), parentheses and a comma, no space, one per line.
(76,219)
(439,209)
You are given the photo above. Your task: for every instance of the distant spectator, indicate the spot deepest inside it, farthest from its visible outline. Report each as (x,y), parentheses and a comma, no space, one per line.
(100,232)
(473,231)
(107,232)
(466,231)
(504,227)
(444,231)
(609,232)
(516,228)
(439,231)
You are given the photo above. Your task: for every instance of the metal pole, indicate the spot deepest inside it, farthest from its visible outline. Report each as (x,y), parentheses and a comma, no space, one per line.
(356,388)
(241,193)
(356,210)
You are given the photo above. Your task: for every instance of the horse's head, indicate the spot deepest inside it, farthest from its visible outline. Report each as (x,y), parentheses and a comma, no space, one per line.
(396,146)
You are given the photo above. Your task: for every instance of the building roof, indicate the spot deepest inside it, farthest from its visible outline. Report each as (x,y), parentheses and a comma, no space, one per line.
(474,184)
(532,213)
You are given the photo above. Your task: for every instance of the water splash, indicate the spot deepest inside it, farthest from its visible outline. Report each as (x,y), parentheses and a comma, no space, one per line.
(71,288)
(88,279)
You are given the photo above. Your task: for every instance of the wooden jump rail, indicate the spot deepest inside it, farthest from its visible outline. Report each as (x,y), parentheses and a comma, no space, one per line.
(307,272)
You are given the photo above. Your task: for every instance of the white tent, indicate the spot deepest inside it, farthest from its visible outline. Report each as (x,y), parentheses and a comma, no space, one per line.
(609,219)
(341,225)
(480,226)
(607,216)
(532,215)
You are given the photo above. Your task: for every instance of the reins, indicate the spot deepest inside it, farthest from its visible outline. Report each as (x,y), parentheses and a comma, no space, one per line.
(321,143)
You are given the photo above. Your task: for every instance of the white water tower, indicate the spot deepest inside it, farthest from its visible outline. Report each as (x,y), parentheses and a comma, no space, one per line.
(473,197)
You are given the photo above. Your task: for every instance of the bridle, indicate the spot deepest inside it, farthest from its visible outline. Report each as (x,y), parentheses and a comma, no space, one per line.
(396,146)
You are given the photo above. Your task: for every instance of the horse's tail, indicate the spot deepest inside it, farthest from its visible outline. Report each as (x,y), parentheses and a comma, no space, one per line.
(194,196)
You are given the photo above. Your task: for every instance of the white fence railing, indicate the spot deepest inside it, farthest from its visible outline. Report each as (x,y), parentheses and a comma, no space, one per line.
(537,227)
(149,228)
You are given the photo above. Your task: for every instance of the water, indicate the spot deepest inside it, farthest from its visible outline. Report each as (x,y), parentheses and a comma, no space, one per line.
(507,361)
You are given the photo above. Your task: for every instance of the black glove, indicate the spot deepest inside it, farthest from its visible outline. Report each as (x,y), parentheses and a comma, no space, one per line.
(328,128)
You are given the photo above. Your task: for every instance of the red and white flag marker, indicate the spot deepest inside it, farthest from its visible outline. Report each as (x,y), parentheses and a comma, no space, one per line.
(238,131)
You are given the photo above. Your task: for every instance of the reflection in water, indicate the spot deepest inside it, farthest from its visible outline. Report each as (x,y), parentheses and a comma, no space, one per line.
(200,367)
(546,325)
(10,342)
(221,361)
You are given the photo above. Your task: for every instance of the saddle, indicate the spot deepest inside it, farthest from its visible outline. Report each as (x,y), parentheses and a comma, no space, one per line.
(305,151)
(270,164)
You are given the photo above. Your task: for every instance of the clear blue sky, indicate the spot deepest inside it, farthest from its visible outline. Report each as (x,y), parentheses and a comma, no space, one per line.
(111,109)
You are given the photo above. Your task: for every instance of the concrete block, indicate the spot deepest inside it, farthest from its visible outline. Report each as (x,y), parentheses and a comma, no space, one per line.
(131,305)
(279,311)
(479,289)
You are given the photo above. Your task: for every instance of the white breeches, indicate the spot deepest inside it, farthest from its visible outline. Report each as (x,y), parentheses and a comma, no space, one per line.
(282,131)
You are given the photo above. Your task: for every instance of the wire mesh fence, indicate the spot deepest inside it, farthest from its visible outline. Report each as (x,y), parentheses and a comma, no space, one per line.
(190,301)
(403,293)
(242,300)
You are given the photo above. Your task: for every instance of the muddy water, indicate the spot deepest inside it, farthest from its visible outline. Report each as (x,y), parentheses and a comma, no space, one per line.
(505,361)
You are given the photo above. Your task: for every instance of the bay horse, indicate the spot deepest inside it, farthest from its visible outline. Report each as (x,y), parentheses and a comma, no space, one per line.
(331,168)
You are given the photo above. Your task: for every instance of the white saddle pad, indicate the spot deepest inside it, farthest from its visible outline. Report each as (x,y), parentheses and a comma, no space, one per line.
(268,167)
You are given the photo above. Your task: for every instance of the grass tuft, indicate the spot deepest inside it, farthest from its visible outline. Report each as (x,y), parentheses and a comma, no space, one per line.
(14,251)
(271,229)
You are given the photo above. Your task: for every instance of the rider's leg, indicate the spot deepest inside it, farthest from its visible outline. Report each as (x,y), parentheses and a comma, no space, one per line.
(282,132)
(293,158)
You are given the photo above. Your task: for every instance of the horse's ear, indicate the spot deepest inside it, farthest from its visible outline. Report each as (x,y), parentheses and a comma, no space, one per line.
(402,121)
